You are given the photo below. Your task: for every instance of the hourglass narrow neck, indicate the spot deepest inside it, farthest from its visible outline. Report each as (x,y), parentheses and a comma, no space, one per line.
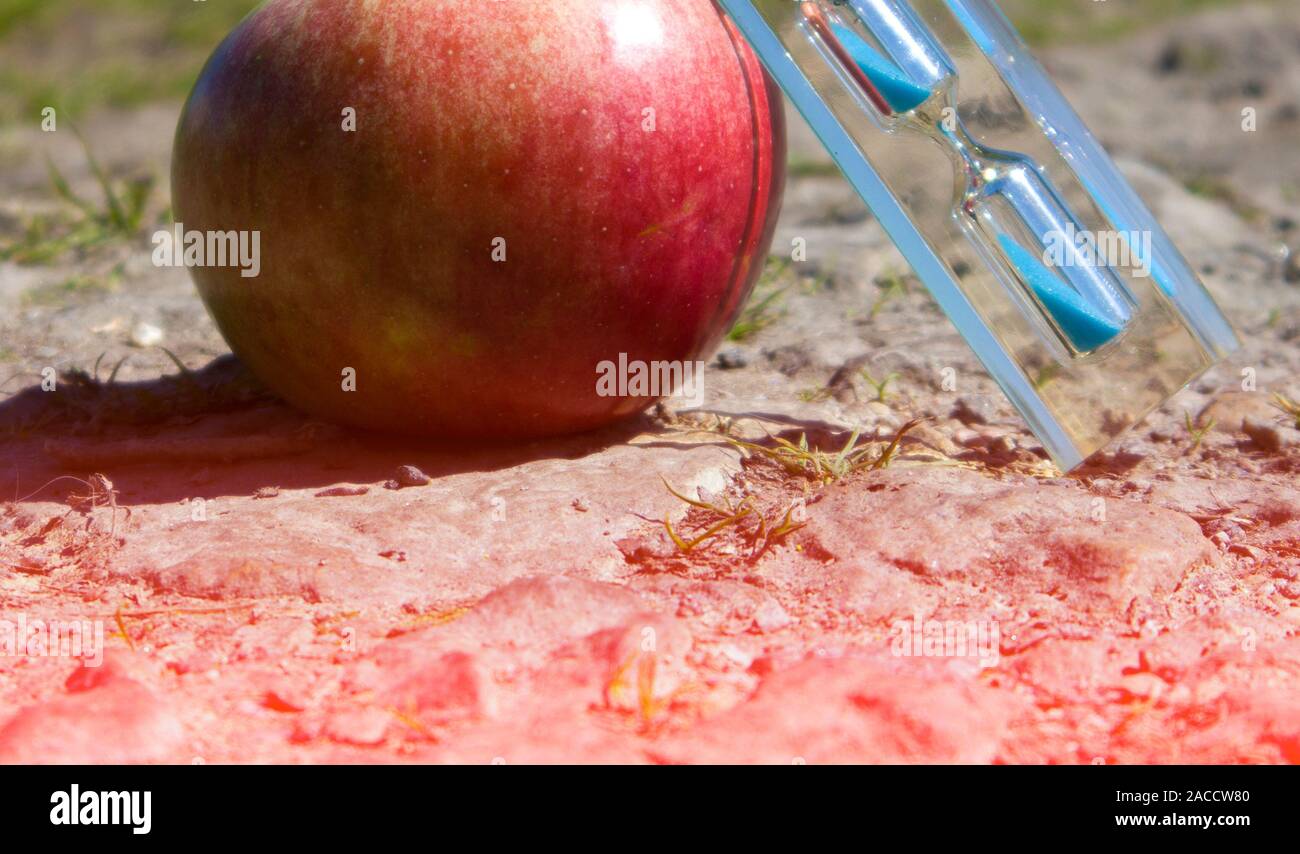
(980,165)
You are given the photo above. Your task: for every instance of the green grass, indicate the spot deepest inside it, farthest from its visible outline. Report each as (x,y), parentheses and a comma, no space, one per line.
(61,293)
(1046,374)
(82,223)
(1288,407)
(1050,22)
(185,21)
(16,12)
(827,466)
(893,285)
(802,167)
(1216,189)
(881,386)
(764,306)
(1196,430)
(78,55)
(763,534)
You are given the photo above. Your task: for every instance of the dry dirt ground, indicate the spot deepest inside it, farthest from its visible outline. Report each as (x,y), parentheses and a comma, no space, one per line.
(266,598)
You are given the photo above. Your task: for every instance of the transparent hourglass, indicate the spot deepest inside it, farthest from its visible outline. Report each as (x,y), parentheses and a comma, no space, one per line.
(1028,236)
(1017,220)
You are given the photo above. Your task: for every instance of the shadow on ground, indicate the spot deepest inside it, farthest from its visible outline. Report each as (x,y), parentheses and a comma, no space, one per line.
(220,425)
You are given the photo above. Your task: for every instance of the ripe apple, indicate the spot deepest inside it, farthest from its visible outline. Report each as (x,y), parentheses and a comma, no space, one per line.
(466,206)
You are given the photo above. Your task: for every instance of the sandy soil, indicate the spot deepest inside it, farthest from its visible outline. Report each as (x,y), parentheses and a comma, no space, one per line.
(267,597)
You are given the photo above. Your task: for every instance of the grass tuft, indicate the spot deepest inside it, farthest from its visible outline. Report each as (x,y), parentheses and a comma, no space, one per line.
(87,224)
(826,467)
(881,386)
(764,306)
(78,285)
(892,286)
(762,534)
(1197,431)
(1289,407)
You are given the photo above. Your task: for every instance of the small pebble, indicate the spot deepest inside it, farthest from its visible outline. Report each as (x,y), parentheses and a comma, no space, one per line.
(1002,445)
(770,617)
(1291,272)
(1265,436)
(364,727)
(731,359)
(736,655)
(146,335)
(411,476)
(342,491)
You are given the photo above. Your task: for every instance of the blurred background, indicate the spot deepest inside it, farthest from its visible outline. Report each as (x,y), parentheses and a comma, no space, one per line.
(85,54)
(121,53)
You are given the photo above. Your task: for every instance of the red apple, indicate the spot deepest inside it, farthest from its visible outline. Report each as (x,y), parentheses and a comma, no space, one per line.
(531,189)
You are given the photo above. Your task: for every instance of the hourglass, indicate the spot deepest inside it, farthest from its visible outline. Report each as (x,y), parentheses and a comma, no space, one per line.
(1077,302)
(1012,213)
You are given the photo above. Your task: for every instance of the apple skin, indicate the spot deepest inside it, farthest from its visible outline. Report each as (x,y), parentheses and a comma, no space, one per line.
(626,230)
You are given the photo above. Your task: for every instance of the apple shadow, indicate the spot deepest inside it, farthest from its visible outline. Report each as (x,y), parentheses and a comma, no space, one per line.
(217,432)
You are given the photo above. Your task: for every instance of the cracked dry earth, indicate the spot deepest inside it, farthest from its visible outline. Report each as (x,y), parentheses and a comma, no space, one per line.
(268,598)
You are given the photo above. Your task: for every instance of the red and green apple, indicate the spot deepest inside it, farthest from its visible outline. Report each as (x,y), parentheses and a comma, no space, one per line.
(466,206)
